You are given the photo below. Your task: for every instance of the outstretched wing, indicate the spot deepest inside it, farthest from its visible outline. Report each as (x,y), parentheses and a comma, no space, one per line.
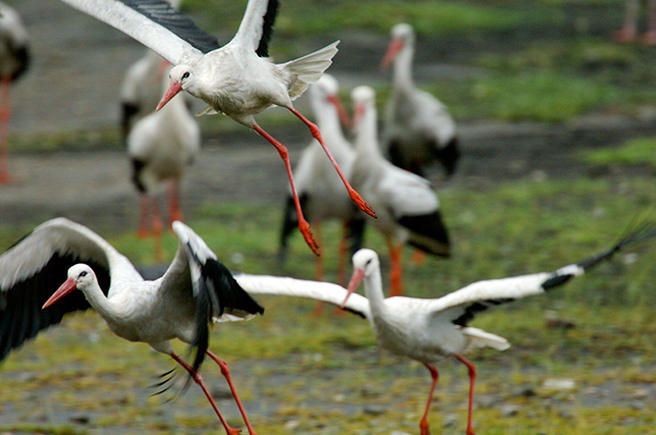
(32,269)
(320,291)
(256,27)
(462,305)
(154,23)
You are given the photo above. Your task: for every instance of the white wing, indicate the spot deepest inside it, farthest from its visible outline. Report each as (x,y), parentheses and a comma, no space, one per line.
(153,23)
(320,291)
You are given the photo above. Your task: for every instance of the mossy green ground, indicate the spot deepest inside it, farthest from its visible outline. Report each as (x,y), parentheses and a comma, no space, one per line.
(302,374)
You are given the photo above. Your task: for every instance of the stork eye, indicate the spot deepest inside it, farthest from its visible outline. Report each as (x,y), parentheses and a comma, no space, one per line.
(185,75)
(82,274)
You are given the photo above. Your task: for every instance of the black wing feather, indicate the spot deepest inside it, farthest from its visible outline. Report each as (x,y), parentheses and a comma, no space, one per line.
(21,316)
(267,28)
(165,15)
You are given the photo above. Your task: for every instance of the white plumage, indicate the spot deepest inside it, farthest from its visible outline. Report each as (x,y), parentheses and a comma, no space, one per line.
(408,209)
(418,129)
(195,291)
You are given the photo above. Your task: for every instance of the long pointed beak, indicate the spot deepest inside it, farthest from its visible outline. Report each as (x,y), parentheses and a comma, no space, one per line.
(356,279)
(171,92)
(392,50)
(68,286)
(341,112)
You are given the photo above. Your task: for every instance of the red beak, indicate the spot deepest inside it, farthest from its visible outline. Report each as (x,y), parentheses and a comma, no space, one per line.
(353,284)
(171,92)
(68,286)
(343,116)
(392,50)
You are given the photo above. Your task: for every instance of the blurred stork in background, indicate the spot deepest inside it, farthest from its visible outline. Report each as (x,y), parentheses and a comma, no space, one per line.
(160,146)
(14,60)
(418,129)
(408,208)
(320,189)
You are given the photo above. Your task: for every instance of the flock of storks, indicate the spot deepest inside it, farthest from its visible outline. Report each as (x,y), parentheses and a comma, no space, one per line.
(40,273)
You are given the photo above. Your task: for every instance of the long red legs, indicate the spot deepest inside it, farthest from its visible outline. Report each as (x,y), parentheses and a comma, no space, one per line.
(226,373)
(303,224)
(355,196)
(199,380)
(472,380)
(423,424)
(5,115)
(396,281)
(173,191)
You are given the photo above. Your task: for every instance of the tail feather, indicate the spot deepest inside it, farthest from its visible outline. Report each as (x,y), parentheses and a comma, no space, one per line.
(479,338)
(309,68)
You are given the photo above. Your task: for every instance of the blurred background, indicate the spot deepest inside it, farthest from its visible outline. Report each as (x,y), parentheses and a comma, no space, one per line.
(556,119)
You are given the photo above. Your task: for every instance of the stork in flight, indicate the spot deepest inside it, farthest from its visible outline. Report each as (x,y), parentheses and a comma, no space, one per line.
(428,330)
(418,129)
(238,80)
(196,291)
(14,60)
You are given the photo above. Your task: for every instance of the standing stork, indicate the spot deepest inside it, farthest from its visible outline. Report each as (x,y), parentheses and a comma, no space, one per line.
(428,330)
(418,129)
(238,80)
(408,209)
(14,60)
(319,188)
(195,291)
(160,147)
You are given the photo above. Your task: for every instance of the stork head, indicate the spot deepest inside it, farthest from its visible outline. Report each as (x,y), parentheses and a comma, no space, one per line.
(326,90)
(80,277)
(402,35)
(365,263)
(364,100)
(182,78)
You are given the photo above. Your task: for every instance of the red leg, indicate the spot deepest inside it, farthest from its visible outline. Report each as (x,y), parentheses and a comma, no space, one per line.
(472,379)
(175,212)
(396,281)
(5,114)
(303,225)
(199,380)
(628,31)
(423,424)
(355,196)
(226,373)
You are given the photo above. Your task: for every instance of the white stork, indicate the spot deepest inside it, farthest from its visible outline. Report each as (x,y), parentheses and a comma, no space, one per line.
(418,129)
(238,80)
(195,291)
(428,330)
(408,209)
(319,188)
(14,60)
(160,146)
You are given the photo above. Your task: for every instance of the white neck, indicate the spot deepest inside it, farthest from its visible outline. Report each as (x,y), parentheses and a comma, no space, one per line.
(366,143)
(104,306)
(403,67)
(373,288)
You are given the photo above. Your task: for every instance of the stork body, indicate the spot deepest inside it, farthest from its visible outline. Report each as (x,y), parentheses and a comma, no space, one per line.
(160,147)
(14,60)
(408,209)
(418,129)
(238,79)
(320,190)
(195,291)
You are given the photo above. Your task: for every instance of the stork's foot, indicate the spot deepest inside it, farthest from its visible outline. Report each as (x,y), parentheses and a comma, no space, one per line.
(233,431)
(425,429)
(304,228)
(361,203)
